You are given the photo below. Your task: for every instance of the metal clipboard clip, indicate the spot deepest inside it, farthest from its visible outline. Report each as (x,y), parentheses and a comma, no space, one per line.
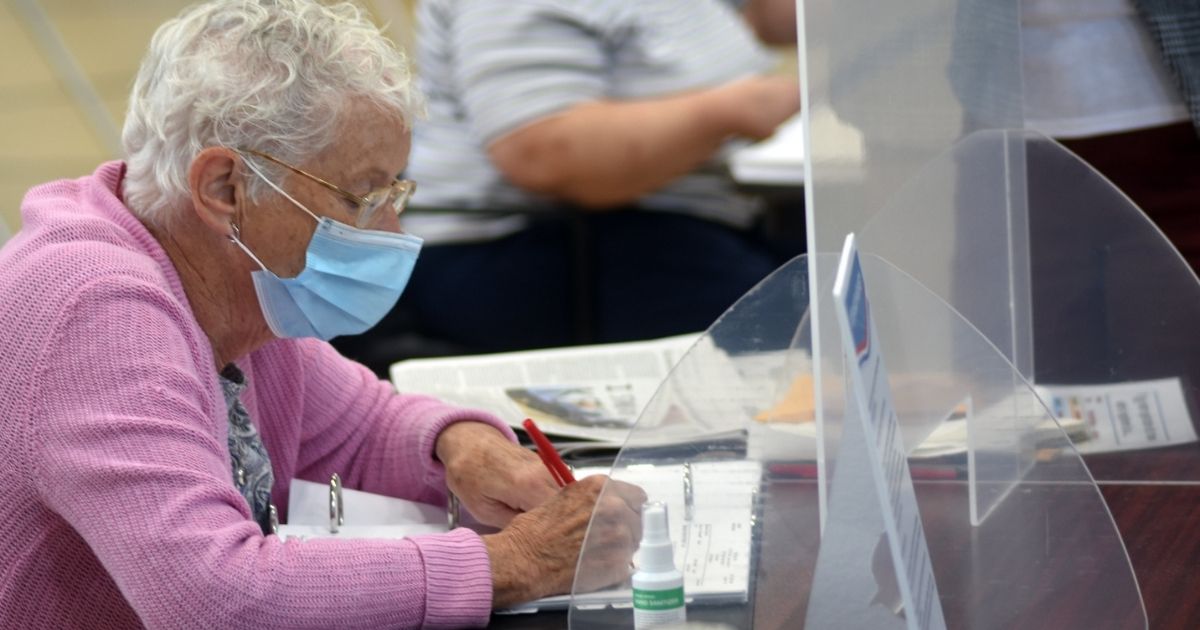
(452,511)
(337,509)
(689,496)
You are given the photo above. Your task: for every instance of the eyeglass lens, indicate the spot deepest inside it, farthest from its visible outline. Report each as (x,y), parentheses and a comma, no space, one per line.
(394,196)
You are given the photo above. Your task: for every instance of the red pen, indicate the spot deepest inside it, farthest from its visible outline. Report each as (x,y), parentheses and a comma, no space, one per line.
(550,457)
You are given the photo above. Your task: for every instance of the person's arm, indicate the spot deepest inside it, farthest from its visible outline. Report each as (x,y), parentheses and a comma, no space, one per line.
(536,88)
(359,427)
(773,21)
(418,441)
(129,450)
(604,154)
(409,446)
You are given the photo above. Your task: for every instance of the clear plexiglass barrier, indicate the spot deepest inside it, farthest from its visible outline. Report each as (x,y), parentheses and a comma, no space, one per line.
(730,445)
(928,88)
(1110,303)
(1037,335)
(1114,314)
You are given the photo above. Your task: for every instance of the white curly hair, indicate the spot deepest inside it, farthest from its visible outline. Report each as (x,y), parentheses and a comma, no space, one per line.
(271,75)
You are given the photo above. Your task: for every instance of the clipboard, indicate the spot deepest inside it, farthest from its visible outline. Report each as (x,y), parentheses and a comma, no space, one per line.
(718,498)
(713,509)
(329,510)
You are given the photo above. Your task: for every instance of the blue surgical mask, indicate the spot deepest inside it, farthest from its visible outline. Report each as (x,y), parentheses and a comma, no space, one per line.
(352,277)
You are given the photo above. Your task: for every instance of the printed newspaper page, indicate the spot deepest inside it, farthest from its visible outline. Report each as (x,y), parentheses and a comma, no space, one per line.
(595,392)
(1122,416)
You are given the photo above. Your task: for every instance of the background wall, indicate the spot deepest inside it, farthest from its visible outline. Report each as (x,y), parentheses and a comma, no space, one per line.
(54,126)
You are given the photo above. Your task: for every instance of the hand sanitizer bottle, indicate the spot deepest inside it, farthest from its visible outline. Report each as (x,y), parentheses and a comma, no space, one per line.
(657,584)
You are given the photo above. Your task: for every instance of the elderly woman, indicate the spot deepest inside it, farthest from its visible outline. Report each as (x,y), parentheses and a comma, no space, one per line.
(166,371)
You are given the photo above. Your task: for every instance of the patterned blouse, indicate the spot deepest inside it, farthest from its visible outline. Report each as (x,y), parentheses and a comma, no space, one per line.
(251,466)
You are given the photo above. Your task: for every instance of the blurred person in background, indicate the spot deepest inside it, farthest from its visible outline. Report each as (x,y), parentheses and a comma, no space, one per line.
(578,147)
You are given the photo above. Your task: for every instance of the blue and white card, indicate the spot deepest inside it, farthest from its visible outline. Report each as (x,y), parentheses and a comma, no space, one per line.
(873,408)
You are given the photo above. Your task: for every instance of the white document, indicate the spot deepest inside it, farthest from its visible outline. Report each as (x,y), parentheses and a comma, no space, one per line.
(303,532)
(778,160)
(1123,416)
(366,515)
(595,392)
(713,547)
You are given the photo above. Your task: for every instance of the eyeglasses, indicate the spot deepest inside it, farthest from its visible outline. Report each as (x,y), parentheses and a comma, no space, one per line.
(367,208)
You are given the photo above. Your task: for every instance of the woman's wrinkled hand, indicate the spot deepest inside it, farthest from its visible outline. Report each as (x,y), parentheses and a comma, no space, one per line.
(537,553)
(493,478)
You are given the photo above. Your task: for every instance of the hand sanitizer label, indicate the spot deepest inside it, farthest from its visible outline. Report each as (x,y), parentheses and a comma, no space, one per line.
(658,600)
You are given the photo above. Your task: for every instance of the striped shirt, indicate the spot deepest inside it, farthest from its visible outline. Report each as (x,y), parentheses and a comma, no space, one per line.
(1091,67)
(488,67)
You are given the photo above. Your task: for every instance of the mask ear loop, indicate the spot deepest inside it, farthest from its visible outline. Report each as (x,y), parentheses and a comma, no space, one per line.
(236,240)
(250,164)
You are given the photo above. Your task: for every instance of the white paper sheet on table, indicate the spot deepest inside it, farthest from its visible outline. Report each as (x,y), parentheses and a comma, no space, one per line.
(366,515)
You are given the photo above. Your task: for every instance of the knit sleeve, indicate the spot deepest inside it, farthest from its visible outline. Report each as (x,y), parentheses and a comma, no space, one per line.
(129,451)
(379,441)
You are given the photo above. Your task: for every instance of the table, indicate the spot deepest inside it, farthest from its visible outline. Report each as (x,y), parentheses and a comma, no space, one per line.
(1152,515)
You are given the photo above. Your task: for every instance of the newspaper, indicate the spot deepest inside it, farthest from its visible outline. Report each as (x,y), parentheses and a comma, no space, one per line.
(1123,416)
(598,392)
(1102,418)
(594,392)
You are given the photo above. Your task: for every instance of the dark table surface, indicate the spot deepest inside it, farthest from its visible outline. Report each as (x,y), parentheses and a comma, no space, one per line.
(1151,503)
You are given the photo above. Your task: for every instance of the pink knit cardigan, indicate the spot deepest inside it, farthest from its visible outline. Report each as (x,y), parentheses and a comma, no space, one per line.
(117,507)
